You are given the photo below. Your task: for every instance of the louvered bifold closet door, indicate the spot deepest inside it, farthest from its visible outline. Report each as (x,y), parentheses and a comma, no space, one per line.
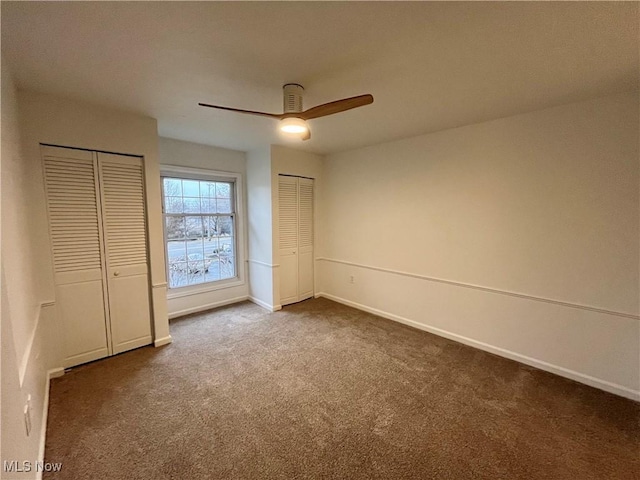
(76,241)
(295,197)
(305,238)
(122,182)
(288,235)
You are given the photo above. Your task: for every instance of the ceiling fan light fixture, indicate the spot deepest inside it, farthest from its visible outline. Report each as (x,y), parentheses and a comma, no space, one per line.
(293,126)
(293,120)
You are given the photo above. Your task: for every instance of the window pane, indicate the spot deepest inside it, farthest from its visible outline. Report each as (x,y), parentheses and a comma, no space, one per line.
(227,265)
(225,225)
(173,205)
(224,205)
(208,189)
(211,246)
(175,227)
(214,270)
(196,276)
(191,188)
(200,231)
(191,205)
(226,248)
(197,263)
(176,251)
(208,205)
(193,227)
(223,190)
(172,187)
(177,274)
(226,245)
(194,249)
(209,225)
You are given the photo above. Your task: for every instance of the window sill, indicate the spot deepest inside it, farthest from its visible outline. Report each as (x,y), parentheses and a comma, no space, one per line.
(203,288)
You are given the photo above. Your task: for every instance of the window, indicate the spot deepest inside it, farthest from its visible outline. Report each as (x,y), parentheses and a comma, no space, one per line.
(200,229)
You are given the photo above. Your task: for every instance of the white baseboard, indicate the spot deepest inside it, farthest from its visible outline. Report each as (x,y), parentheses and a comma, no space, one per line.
(162,341)
(265,305)
(208,306)
(555,369)
(56,372)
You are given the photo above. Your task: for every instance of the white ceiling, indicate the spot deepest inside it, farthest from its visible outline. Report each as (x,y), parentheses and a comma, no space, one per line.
(429,65)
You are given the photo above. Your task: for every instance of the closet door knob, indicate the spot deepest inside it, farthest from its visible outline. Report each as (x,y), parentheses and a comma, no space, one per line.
(116,273)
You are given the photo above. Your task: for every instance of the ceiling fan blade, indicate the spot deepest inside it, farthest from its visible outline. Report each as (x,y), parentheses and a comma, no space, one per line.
(336,107)
(250,112)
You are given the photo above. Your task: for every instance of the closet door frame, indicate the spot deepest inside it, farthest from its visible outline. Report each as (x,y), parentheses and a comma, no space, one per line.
(109,350)
(289,257)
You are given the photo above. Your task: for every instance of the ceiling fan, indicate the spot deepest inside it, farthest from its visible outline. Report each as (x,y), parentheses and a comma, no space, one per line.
(294,120)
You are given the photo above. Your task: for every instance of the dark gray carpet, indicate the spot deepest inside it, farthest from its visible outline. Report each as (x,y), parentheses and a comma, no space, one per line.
(320,390)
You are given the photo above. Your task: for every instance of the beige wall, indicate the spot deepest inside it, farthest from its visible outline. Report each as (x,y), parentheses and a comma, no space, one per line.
(519,236)
(195,155)
(19,245)
(289,161)
(263,168)
(260,227)
(204,157)
(527,228)
(29,335)
(59,121)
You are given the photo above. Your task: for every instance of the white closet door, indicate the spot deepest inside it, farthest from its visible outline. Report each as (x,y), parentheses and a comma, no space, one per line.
(288,232)
(305,238)
(295,197)
(122,182)
(76,240)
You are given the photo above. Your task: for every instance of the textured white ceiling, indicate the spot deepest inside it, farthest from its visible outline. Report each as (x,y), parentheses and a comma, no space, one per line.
(429,65)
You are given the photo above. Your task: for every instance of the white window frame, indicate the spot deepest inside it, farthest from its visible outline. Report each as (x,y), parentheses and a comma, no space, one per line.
(189,173)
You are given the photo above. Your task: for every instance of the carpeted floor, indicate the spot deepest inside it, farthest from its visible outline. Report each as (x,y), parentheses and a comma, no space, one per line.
(320,391)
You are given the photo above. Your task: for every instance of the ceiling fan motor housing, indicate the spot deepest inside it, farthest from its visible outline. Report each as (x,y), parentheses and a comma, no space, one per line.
(292,98)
